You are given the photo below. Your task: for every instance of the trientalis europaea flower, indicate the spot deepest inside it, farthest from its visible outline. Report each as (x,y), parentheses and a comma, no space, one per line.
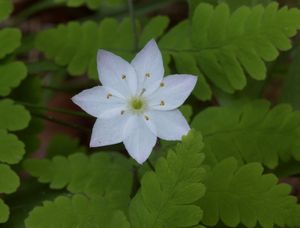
(135,103)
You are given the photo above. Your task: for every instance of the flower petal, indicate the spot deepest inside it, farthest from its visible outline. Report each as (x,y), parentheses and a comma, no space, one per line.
(168,125)
(149,66)
(116,74)
(140,140)
(109,131)
(174,90)
(98,102)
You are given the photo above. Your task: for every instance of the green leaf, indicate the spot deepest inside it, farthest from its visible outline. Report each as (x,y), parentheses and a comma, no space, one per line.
(245,195)
(61,144)
(104,174)
(78,51)
(291,83)
(91,4)
(4,212)
(11,75)
(154,29)
(9,180)
(13,117)
(6,7)
(251,133)
(10,39)
(78,211)
(167,195)
(11,149)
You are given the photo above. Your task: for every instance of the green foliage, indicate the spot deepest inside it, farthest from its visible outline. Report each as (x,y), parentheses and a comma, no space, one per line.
(245,195)
(10,40)
(226,46)
(12,116)
(11,75)
(62,144)
(291,88)
(92,4)
(9,181)
(4,212)
(6,7)
(79,52)
(77,211)
(167,195)
(101,174)
(250,132)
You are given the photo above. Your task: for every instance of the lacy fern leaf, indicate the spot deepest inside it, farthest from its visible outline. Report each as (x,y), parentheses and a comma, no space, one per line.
(250,132)
(245,195)
(167,196)
(76,211)
(107,174)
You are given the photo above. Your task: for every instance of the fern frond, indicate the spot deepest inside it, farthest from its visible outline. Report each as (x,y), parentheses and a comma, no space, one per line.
(226,46)
(10,39)
(167,195)
(245,195)
(4,212)
(107,174)
(251,133)
(78,50)
(6,7)
(76,211)
(91,4)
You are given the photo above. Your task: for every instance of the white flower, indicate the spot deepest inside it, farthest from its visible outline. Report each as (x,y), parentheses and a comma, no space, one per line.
(136,104)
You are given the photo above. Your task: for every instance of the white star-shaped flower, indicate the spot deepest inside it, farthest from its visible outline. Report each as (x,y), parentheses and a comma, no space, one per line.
(135,103)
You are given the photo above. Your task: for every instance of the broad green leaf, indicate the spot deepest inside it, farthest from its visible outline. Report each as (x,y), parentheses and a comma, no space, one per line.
(11,74)
(10,39)
(13,117)
(9,180)
(4,212)
(101,174)
(167,195)
(76,211)
(291,83)
(245,195)
(250,132)
(11,149)
(6,7)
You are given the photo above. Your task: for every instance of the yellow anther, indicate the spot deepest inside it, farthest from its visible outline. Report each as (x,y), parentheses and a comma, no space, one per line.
(162,84)
(123,76)
(147,75)
(162,103)
(146,117)
(109,95)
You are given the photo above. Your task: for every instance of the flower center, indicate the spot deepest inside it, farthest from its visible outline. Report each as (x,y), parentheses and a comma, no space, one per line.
(137,104)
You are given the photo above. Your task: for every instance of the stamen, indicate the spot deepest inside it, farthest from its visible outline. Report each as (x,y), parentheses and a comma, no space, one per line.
(123,76)
(109,95)
(162,103)
(162,84)
(143,91)
(122,112)
(147,75)
(146,117)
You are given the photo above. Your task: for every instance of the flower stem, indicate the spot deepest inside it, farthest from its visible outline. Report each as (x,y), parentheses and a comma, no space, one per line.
(61,122)
(133,24)
(58,110)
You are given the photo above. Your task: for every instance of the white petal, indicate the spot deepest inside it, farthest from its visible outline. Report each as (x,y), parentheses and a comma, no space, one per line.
(173,91)
(100,103)
(116,74)
(168,125)
(109,131)
(149,66)
(140,140)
